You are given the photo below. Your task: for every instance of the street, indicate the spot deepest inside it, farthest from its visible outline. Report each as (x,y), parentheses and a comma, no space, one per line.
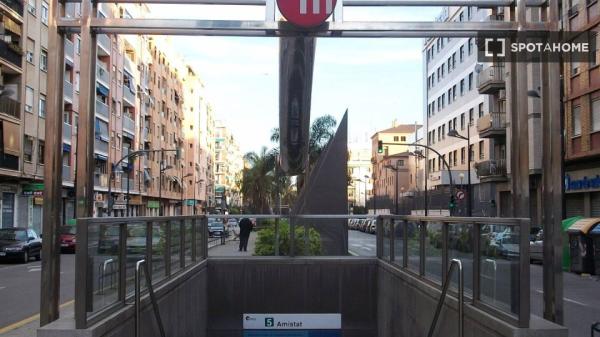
(581,309)
(20,288)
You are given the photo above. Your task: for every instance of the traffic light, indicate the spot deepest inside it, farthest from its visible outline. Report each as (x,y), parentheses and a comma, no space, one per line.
(452,204)
(379,146)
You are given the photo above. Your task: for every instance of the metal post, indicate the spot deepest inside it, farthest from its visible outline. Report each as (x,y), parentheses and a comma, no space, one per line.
(552,180)
(397,176)
(160,174)
(50,278)
(469,159)
(138,287)
(128,177)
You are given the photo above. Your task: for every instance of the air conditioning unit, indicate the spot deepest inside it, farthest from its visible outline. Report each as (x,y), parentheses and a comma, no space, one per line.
(28,108)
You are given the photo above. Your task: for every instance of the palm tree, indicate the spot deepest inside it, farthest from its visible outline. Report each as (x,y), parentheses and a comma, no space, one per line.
(258,180)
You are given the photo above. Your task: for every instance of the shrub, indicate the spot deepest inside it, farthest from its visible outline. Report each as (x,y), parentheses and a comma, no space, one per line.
(265,241)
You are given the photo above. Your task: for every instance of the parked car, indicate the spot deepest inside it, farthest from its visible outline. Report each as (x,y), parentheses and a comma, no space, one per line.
(216,229)
(536,251)
(67,239)
(508,245)
(372,226)
(20,243)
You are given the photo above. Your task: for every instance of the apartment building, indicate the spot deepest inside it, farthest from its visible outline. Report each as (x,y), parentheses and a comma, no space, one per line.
(582,116)
(359,175)
(384,165)
(139,106)
(455,115)
(229,165)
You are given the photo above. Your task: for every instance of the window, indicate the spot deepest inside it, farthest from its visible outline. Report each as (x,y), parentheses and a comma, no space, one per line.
(76,82)
(45,12)
(576,121)
(462,87)
(462,156)
(470,116)
(472,151)
(396,138)
(481,153)
(462,53)
(403,138)
(470,81)
(594,48)
(31,6)
(30,51)
(67,117)
(480,110)
(449,65)
(462,121)
(574,67)
(28,149)
(28,99)
(454,158)
(78,45)
(450,158)
(596,115)
(454,60)
(42,107)
(44,60)
(400,162)
(454,92)
(443,100)
(449,96)
(40,152)
(444,131)
(450,125)
(461,16)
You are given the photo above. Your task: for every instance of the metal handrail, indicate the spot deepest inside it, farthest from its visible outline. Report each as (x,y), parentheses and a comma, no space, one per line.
(138,309)
(461,286)
(105,265)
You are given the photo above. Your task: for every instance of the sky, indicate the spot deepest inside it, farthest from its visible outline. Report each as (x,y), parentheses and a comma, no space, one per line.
(377,80)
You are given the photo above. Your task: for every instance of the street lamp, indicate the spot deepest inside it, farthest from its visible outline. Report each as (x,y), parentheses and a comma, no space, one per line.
(455,134)
(160,201)
(195,183)
(397,170)
(182,196)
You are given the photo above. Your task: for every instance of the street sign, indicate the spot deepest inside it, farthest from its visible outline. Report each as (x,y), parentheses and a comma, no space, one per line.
(296,325)
(306,13)
(460,195)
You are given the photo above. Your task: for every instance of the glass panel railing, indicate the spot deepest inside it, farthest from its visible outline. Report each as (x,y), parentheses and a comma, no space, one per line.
(159,250)
(433,251)
(136,243)
(362,240)
(399,244)
(460,246)
(414,245)
(175,231)
(103,257)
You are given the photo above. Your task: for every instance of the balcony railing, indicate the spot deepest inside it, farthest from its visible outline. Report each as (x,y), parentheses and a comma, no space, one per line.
(10,107)
(128,124)
(491,168)
(101,146)
(104,42)
(101,180)
(101,109)
(68,90)
(66,173)
(69,49)
(12,53)
(492,124)
(129,94)
(491,79)
(102,74)
(15,5)
(67,132)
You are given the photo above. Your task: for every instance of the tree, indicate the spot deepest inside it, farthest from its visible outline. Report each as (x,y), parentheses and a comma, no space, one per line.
(258,180)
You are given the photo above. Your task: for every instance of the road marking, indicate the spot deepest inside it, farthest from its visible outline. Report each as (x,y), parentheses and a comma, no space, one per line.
(35,269)
(30,319)
(565,299)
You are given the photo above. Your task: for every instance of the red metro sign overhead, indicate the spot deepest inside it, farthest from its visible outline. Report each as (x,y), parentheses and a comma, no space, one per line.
(306,13)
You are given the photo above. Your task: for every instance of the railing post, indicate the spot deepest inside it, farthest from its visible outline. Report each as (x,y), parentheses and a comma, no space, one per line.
(422,236)
(122,290)
(391,232)
(149,246)
(476,262)
(524,264)
(204,224)
(182,226)
(405,245)
(82,270)
(168,249)
(138,287)
(379,233)
(194,246)
(445,255)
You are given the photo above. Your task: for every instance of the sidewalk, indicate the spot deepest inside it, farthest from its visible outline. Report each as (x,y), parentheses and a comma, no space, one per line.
(28,327)
(231,248)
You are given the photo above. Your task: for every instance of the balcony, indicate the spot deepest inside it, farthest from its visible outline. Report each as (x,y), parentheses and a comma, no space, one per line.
(69,50)
(102,75)
(491,170)
(104,43)
(67,133)
(101,146)
(124,153)
(9,106)
(68,91)
(129,96)
(492,125)
(128,125)
(491,80)
(101,110)
(15,5)
(66,174)
(128,65)
(11,53)
(101,180)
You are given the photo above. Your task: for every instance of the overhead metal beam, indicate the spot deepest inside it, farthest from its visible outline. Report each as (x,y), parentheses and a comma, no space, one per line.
(346,3)
(281,28)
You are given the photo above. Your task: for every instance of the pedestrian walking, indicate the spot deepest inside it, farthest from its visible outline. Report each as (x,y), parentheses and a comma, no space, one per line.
(245,229)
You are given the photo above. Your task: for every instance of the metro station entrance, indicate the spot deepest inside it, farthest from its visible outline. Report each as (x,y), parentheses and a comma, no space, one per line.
(416,260)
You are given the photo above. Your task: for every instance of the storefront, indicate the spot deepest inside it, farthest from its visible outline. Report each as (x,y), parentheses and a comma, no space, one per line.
(8,205)
(33,197)
(582,192)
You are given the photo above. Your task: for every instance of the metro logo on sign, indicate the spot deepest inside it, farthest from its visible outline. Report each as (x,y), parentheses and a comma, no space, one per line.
(306,13)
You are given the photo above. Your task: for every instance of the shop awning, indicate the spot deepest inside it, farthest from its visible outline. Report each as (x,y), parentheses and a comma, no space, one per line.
(12,141)
(584,225)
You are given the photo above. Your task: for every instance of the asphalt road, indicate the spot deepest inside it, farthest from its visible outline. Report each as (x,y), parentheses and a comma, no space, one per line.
(581,294)
(20,288)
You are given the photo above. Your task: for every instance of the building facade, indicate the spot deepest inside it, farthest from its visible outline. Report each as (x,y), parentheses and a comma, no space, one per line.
(359,176)
(147,98)
(229,165)
(582,117)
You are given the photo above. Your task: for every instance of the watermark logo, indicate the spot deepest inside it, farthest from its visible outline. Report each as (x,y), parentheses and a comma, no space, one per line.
(537,46)
(269,322)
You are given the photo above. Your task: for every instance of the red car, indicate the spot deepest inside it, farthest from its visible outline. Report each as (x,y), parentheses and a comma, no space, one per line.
(67,239)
